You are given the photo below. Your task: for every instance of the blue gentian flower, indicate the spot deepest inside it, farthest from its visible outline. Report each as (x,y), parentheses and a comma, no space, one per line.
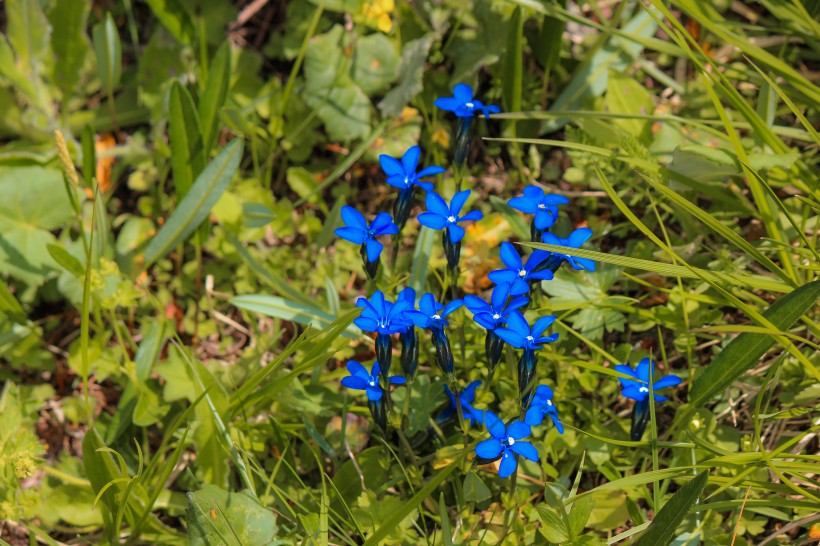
(432,315)
(409,339)
(519,334)
(463,105)
(466,398)
(517,273)
(359,379)
(492,315)
(638,390)
(543,205)
(357,231)
(575,240)
(385,318)
(505,443)
(402,175)
(541,407)
(440,215)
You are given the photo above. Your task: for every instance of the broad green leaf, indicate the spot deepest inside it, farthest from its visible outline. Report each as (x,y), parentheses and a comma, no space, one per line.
(65,260)
(108,49)
(101,469)
(274,306)
(175,17)
(214,95)
(745,350)
(662,529)
(10,71)
(411,76)
(624,95)
(579,515)
(10,306)
(69,43)
(474,488)
(28,33)
(255,215)
(375,63)
(344,109)
(216,517)
(187,154)
(196,205)
(554,528)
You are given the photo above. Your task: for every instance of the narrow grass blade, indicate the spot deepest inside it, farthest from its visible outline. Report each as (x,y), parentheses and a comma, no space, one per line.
(662,529)
(274,306)
(187,159)
(747,348)
(196,205)
(214,95)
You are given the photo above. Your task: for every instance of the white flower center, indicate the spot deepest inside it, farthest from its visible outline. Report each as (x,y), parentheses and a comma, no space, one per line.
(522,272)
(451,219)
(542,206)
(406,180)
(372,381)
(549,402)
(496,316)
(510,441)
(530,338)
(436,317)
(643,389)
(468,104)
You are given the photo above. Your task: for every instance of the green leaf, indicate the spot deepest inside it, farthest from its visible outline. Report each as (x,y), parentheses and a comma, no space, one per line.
(153,339)
(10,306)
(554,528)
(256,215)
(187,154)
(101,469)
(214,95)
(548,49)
(65,260)
(411,77)
(624,95)
(375,63)
(579,515)
(69,43)
(475,490)
(514,63)
(196,205)
(216,517)
(109,54)
(745,350)
(274,306)
(175,17)
(28,31)
(89,156)
(662,528)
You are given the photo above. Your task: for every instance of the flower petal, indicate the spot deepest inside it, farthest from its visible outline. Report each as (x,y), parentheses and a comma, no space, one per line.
(489,449)
(367,324)
(534,416)
(668,381)
(518,430)
(476,304)
(432,170)
(391,166)
(543,392)
(374,393)
(643,369)
(456,232)
(523,204)
(579,237)
(513,338)
(494,425)
(634,392)
(500,295)
(353,218)
(397,380)
(356,383)
(472,216)
(508,465)
(509,256)
(468,395)
(447,103)
(463,92)
(457,202)
(504,275)
(542,324)
(517,323)
(450,307)
(526,450)
(410,159)
(432,220)
(356,369)
(383,224)
(437,205)
(374,249)
(376,370)
(428,304)
(352,234)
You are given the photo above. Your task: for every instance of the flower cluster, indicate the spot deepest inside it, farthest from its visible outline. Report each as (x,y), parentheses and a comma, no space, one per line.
(502,315)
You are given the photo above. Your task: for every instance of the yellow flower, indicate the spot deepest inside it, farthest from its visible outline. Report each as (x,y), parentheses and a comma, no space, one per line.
(377,14)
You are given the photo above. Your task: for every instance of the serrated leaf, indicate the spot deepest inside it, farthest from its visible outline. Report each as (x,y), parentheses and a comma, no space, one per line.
(745,350)
(196,205)
(662,529)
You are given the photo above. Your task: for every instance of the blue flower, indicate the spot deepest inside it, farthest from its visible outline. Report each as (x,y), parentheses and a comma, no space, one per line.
(402,174)
(409,340)
(575,240)
(359,232)
(467,397)
(519,334)
(432,314)
(541,407)
(493,314)
(464,105)
(517,273)
(360,380)
(638,389)
(505,443)
(440,215)
(382,316)
(543,205)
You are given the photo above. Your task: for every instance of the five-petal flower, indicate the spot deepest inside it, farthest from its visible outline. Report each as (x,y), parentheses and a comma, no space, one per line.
(518,273)
(543,205)
(463,105)
(519,334)
(575,240)
(381,315)
(638,389)
(357,230)
(360,379)
(542,406)
(440,215)
(505,443)
(493,314)
(402,174)
(466,398)
(432,314)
